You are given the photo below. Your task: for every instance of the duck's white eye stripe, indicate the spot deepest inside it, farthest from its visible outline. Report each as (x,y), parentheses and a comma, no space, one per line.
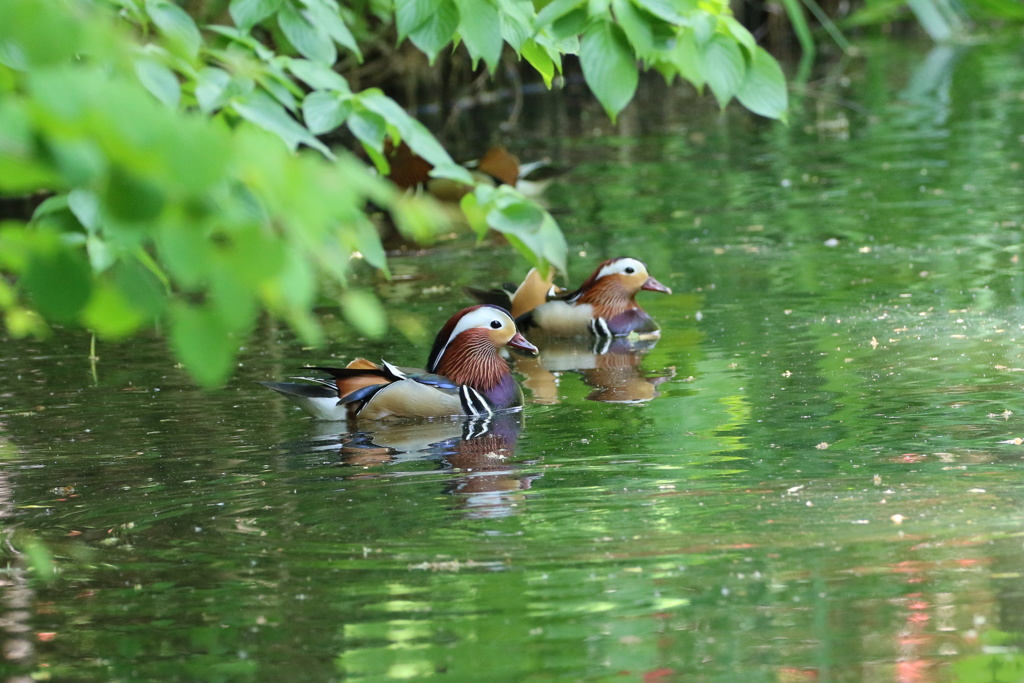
(481,317)
(626,266)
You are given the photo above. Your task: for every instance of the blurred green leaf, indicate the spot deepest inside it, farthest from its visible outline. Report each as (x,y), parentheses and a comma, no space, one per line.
(429,24)
(109,314)
(555,10)
(248,13)
(763,90)
(539,59)
(140,287)
(723,68)
(363,310)
(183,249)
(131,198)
(159,80)
(516,18)
(571,25)
(609,66)
(325,14)
(261,110)
(212,89)
(311,41)
(667,10)
(324,111)
(685,56)
(368,127)
(480,29)
(57,278)
(203,343)
(636,26)
(38,558)
(176,24)
(419,218)
(317,76)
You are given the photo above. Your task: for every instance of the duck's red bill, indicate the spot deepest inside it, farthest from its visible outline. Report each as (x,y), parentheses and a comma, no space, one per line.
(519,342)
(654,286)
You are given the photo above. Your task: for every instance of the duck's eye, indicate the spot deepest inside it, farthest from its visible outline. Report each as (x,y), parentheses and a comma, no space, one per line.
(495,324)
(630,270)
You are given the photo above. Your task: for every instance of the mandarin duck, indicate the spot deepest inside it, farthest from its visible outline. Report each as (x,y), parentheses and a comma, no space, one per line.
(464,376)
(603,306)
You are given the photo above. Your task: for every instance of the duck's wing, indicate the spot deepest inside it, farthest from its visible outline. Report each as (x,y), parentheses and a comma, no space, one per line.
(375,392)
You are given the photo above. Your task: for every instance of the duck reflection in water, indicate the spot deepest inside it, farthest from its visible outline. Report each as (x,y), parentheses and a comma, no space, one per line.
(611,365)
(479,452)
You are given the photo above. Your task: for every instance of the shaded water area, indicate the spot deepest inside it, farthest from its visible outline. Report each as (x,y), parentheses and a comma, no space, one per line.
(814,475)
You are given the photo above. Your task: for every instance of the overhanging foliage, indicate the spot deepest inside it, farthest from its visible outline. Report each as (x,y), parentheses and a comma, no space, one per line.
(185,178)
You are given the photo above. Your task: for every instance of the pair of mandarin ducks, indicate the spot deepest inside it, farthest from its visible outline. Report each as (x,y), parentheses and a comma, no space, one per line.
(464,373)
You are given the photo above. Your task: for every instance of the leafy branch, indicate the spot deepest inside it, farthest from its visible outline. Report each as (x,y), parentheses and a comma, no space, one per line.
(184,174)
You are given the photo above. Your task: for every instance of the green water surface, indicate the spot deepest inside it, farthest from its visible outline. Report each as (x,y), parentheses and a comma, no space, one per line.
(815,475)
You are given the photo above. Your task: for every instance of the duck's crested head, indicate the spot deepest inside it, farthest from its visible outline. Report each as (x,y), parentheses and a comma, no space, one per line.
(476,326)
(629,273)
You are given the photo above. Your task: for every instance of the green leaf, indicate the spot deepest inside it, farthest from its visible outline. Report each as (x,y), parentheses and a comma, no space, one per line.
(159,80)
(57,278)
(202,343)
(415,134)
(636,26)
(311,41)
(263,111)
(704,25)
(429,24)
(739,32)
(669,9)
(324,111)
(685,56)
(609,66)
(362,235)
(529,228)
(516,21)
(723,67)
(212,89)
(39,559)
(364,311)
(540,60)
(317,75)
(140,286)
(764,88)
(410,15)
(85,206)
(571,25)
(109,314)
(480,28)
(325,14)
(517,218)
(20,170)
(185,254)
(368,127)
(175,24)
(232,300)
(248,13)
(131,198)
(555,10)
(419,217)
